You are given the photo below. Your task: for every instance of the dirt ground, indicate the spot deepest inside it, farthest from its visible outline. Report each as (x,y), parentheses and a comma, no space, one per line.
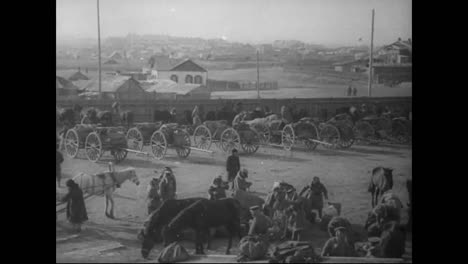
(345,173)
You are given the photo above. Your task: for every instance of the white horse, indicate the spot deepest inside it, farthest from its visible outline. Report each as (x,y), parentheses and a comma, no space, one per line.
(105,184)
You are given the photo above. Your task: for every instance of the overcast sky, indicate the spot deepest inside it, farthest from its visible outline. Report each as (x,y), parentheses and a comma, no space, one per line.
(330,22)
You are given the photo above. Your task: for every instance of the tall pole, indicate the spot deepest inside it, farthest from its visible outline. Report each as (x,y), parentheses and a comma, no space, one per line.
(99,48)
(258,78)
(371,59)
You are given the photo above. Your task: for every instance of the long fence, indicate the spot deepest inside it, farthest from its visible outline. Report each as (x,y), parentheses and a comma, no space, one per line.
(323,107)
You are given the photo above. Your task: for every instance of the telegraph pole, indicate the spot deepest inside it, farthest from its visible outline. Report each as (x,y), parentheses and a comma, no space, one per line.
(371,59)
(99,49)
(258,78)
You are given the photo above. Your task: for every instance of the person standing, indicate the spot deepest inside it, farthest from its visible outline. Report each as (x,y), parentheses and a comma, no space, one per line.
(167,185)
(154,199)
(354,91)
(76,209)
(315,193)
(58,162)
(338,246)
(350,90)
(232,165)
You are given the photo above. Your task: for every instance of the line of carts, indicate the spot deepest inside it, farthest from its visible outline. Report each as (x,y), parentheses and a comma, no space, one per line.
(338,133)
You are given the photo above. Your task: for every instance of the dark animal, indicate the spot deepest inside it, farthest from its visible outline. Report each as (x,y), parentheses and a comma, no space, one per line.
(393,239)
(158,219)
(162,116)
(203,215)
(95,116)
(226,113)
(381,181)
(211,116)
(126,117)
(188,117)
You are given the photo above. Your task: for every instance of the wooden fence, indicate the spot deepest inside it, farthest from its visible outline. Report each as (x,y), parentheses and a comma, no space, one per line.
(324,107)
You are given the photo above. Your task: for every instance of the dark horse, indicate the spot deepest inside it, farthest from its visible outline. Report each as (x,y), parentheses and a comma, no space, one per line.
(203,215)
(125,117)
(163,116)
(151,233)
(95,116)
(381,181)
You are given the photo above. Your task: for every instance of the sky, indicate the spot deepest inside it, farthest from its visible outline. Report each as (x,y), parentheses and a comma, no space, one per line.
(327,22)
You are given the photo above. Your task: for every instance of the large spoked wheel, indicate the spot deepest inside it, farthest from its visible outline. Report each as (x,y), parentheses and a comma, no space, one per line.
(288,137)
(184,149)
(202,137)
(400,132)
(331,135)
(119,155)
(362,130)
(264,133)
(230,139)
(250,141)
(158,144)
(93,147)
(347,136)
(135,139)
(72,143)
(311,134)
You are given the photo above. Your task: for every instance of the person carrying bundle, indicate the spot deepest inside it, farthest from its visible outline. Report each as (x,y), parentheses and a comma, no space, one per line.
(240,182)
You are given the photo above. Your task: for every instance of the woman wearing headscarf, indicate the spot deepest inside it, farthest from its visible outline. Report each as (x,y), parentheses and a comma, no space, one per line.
(76,209)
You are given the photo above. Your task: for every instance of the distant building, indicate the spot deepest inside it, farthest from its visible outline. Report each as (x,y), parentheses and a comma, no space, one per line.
(78,76)
(115,87)
(186,72)
(399,52)
(350,66)
(392,74)
(65,88)
(116,56)
(111,62)
(167,89)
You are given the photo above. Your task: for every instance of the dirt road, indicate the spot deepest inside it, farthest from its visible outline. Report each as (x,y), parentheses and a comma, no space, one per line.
(344,172)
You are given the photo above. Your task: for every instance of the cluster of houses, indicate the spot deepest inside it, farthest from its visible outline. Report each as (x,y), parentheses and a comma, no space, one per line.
(391,63)
(162,80)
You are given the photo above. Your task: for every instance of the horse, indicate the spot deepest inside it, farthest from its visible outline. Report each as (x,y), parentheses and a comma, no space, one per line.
(126,117)
(164,116)
(203,215)
(151,232)
(93,115)
(381,181)
(392,244)
(105,184)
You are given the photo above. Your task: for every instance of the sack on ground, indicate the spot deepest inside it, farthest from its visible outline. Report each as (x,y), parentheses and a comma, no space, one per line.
(173,253)
(294,252)
(253,247)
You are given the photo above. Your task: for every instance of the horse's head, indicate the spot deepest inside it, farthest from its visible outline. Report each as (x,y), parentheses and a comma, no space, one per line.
(130,174)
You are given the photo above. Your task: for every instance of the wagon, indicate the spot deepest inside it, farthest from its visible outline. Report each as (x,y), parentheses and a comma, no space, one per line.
(338,132)
(96,141)
(226,137)
(384,128)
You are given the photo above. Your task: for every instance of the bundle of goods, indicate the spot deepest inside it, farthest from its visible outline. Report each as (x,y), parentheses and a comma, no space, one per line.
(173,253)
(294,252)
(253,248)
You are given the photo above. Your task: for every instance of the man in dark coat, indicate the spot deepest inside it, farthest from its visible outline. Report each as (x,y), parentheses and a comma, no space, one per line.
(58,161)
(232,165)
(354,91)
(76,209)
(168,185)
(314,194)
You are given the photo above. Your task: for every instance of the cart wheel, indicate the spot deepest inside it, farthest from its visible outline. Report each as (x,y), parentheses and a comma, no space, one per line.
(184,150)
(119,155)
(250,141)
(229,139)
(135,139)
(399,132)
(202,137)
(158,144)
(347,136)
(264,133)
(312,133)
(93,147)
(72,143)
(362,130)
(331,135)
(288,137)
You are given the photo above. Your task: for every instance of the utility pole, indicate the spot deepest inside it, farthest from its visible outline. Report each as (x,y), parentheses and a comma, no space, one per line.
(258,78)
(371,58)
(99,49)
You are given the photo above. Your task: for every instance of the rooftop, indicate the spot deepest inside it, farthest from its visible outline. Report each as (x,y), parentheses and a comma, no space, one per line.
(168,86)
(110,83)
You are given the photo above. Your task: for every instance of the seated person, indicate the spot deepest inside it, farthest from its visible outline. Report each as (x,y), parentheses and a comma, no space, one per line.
(218,189)
(338,246)
(260,223)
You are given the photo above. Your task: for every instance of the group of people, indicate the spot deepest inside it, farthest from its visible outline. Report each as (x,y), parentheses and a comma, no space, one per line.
(351,91)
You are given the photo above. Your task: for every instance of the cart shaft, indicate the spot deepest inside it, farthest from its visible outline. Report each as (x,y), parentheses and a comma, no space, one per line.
(136,151)
(202,150)
(320,142)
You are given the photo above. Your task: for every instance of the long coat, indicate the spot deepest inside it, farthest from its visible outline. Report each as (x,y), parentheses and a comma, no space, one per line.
(76,209)
(168,188)
(232,167)
(58,161)
(314,195)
